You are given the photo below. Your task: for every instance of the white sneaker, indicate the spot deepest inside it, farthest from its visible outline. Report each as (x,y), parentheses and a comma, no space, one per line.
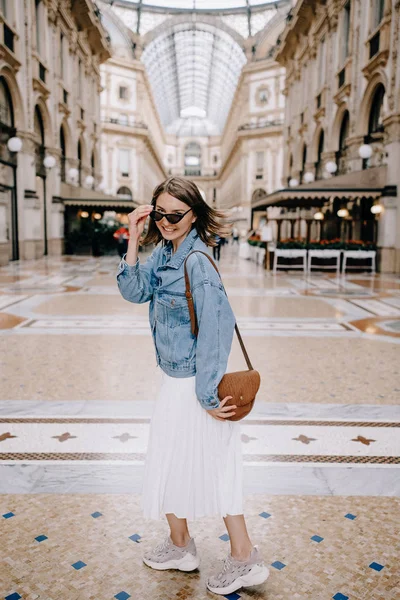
(236,574)
(168,556)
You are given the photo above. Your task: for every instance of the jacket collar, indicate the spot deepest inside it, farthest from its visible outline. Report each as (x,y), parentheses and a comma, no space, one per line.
(184,249)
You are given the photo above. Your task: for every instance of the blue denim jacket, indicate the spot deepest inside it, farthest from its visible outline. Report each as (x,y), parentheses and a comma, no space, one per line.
(160,280)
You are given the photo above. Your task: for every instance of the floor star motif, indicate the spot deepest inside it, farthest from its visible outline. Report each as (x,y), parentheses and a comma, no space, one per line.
(363,440)
(304,439)
(64,437)
(6,436)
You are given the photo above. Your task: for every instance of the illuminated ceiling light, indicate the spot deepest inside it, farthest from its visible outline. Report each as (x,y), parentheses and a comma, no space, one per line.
(376,209)
(343,212)
(319,216)
(84,214)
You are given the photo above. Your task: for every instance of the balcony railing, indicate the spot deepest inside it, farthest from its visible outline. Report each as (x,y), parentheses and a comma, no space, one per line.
(124,123)
(261,123)
(192,172)
(374,44)
(8,38)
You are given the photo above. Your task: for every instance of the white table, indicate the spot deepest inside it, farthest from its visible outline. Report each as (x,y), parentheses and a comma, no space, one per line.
(360,254)
(295,253)
(324,254)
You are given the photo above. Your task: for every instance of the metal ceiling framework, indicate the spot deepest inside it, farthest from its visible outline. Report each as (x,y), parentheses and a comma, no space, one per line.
(194,67)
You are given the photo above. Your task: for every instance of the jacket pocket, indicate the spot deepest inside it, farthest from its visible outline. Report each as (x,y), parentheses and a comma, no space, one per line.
(176,345)
(172,310)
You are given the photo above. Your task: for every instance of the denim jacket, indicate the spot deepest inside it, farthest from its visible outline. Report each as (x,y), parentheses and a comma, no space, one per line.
(160,280)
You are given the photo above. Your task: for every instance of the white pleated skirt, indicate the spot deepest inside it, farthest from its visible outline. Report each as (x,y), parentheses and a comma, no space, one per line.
(193,465)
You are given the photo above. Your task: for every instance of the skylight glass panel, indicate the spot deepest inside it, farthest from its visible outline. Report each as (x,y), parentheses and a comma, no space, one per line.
(200,4)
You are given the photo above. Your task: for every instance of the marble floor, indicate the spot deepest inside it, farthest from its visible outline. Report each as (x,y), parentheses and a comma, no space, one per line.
(321,448)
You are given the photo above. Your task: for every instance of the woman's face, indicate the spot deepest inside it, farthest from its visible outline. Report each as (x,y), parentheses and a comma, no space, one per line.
(177,232)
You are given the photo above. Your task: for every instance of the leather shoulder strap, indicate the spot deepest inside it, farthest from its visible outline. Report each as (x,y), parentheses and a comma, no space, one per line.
(192,312)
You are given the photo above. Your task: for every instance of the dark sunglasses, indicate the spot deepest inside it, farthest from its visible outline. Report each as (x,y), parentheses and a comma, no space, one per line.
(172,218)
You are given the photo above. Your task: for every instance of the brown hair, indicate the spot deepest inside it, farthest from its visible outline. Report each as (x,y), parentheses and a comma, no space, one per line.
(208,222)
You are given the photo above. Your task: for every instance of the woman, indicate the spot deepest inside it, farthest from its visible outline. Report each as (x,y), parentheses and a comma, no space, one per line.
(194,462)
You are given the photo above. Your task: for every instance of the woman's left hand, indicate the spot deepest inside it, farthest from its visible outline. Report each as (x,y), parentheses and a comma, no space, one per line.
(223,412)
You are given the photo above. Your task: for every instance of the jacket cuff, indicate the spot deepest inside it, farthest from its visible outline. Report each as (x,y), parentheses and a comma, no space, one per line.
(210,403)
(123,265)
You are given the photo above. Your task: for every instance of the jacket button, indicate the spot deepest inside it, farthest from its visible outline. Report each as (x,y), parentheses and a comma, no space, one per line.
(172,302)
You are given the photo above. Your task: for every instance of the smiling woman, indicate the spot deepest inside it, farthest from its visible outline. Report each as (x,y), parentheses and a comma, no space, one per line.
(175,195)
(193,463)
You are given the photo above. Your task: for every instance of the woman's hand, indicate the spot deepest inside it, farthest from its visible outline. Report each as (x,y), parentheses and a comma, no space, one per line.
(223,412)
(137,220)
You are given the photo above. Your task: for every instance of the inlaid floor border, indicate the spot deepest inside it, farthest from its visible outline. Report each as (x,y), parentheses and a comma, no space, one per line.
(147,420)
(140,457)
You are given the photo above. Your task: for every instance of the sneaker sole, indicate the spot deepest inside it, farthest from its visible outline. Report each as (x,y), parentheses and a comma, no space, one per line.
(187,563)
(256,576)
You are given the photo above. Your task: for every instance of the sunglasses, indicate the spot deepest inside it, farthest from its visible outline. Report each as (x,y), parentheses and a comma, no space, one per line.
(172,218)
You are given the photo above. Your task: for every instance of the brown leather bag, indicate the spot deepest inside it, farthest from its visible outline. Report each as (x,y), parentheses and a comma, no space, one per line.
(241,385)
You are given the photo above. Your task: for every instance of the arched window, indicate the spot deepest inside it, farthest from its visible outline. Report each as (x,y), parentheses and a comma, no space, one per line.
(303,162)
(192,159)
(38,19)
(378,7)
(343,135)
(80,162)
(63,153)
(290,168)
(6,107)
(124,192)
(38,128)
(93,167)
(375,124)
(319,166)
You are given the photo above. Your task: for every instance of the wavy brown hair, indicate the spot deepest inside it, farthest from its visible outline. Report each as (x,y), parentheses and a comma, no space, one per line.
(209,221)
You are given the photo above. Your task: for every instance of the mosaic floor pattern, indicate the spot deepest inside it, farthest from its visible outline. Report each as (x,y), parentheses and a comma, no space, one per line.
(321,448)
(89,547)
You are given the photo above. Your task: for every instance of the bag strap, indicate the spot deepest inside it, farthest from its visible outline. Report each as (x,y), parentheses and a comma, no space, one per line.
(193,318)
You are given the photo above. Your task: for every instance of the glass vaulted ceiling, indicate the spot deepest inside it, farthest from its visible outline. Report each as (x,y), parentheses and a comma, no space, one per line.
(201,4)
(193,70)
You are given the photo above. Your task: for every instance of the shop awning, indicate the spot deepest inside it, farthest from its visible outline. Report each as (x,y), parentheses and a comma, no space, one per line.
(112,203)
(304,197)
(79,196)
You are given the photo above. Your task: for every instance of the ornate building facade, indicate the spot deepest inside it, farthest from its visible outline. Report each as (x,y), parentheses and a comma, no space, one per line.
(193,93)
(107,99)
(49,121)
(342,119)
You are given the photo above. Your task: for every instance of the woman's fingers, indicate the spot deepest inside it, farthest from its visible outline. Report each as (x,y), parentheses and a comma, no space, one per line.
(225,400)
(226,408)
